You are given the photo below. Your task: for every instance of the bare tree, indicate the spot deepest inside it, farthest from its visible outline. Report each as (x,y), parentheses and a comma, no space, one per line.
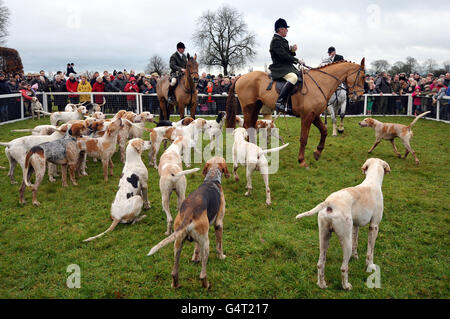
(380,65)
(446,65)
(224,39)
(411,65)
(429,65)
(156,64)
(4,21)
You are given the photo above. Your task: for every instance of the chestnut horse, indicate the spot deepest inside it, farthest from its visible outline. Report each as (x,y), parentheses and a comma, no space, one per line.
(308,103)
(185,92)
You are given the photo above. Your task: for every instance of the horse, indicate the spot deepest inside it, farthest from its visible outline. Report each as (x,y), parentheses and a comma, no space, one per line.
(307,103)
(337,103)
(185,92)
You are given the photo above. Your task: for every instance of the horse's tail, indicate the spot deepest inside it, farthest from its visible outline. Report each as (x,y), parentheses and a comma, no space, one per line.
(231,107)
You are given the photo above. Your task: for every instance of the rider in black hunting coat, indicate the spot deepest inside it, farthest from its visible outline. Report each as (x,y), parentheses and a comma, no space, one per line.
(178,62)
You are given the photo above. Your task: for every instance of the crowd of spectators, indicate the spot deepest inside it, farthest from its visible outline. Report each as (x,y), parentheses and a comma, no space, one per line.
(425,90)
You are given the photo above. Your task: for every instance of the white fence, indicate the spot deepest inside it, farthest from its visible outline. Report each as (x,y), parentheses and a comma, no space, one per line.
(14,104)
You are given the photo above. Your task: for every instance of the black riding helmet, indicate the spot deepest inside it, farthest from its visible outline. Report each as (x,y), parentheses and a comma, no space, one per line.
(280,23)
(180,45)
(331,49)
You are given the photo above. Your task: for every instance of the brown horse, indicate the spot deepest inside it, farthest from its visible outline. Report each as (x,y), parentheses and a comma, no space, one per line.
(308,103)
(185,92)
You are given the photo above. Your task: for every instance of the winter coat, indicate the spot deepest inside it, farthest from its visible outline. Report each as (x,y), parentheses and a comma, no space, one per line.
(84,88)
(382,85)
(60,100)
(4,87)
(131,88)
(177,63)
(98,87)
(119,84)
(282,57)
(72,86)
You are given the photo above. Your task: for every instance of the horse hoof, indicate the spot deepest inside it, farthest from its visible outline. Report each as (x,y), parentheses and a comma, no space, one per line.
(340,131)
(316,155)
(303,164)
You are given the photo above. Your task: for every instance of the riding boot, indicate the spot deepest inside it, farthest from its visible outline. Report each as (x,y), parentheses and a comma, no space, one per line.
(282,102)
(171,95)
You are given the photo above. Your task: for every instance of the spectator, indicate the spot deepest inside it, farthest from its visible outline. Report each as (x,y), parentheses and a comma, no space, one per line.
(202,83)
(370,99)
(70,68)
(382,86)
(416,101)
(119,84)
(60,86)
(4,89)
(84,86)
(13,85)
(98,86)
(111,100)
(94,78)
(148,101)
(447,80)
(154,79)
(72,86)
(29,78)
(27,96)
(131,87)
(396,88)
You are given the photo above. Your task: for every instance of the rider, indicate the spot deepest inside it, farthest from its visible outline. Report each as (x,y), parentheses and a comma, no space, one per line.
(333,56)
(283,58)
(178,62)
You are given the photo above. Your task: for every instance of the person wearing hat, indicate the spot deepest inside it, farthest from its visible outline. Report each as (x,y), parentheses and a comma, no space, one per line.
(131,87)
(333,56)
(178,62)
(283,60)
(4,89)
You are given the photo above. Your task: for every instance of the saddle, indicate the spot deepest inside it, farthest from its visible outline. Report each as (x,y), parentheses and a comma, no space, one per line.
(279,83)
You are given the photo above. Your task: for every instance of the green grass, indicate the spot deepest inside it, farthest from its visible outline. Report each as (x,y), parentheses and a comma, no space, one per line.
(269,255)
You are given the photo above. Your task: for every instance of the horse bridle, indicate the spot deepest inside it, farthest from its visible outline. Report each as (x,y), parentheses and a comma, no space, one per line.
(340,82)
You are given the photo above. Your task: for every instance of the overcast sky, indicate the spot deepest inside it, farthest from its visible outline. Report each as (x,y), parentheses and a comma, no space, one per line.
(105,35)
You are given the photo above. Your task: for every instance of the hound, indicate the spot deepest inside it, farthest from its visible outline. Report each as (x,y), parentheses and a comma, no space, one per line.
(252,156)
(96,116)
(137,131)
(133,189)
(344,212)
(16,150)
(62,151)
(203,207)
(172,176)
(124,132)
(90,107)
(192,131)
(101,148)
(64,117)
(183,122)
(36,107)
(239,121)
(39,130)
(389,131)
(213,129)
(157,136)
(269,129)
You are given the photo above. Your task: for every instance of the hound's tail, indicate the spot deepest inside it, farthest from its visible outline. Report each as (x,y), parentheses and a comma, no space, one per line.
(113,225)
(418,117)
(276,149)
(231,106)
(171,238)
(46,113)
(186,172)
(7,144)
(24,130)
(313,211)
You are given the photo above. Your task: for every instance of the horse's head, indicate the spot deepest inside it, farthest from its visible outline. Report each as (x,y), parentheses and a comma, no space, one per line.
(355,82)
(192,68)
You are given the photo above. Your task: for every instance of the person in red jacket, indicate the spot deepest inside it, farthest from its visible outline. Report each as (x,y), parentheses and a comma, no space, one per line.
(72,86)
(27,95)
(98,86)
(131,87)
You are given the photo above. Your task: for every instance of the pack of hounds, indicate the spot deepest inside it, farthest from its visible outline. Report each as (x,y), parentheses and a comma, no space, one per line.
(84,131)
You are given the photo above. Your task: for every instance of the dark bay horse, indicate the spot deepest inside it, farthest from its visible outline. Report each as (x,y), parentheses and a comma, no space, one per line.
(308,103)
(185,92)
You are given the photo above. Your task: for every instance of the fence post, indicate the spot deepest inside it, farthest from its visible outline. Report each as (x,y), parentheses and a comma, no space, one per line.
(365,104)
(21,108)
(410,100)
(140,107)
(44,101)
(438,109)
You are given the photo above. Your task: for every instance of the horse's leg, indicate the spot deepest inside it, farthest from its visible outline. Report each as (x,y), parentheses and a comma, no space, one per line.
(162,109)
(251,112)
(181,103)
(193,108)
(323,135)
(306,125)
(342,115)
(333,117)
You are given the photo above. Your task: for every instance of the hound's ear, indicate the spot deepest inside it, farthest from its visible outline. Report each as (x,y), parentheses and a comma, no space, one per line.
(363,61)
(387,168)
(70,131)
(206,169)
(225,170)
(138,145)
(364,168)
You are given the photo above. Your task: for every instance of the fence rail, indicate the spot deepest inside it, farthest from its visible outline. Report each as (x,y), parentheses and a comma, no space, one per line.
(14,108)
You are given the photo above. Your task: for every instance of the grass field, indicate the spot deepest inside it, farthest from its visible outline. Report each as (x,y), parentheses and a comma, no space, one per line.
(269,255)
